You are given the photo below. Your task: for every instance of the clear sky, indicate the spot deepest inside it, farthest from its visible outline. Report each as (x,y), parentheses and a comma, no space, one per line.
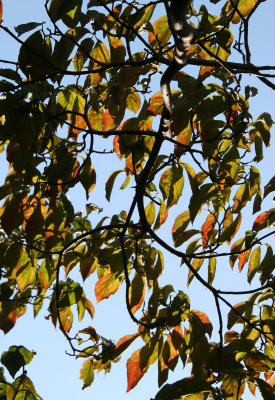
(54,374)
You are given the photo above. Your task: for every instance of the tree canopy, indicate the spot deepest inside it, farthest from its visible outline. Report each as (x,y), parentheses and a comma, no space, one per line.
(91,82)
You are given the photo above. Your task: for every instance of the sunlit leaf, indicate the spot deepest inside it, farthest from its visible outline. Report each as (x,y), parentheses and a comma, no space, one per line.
(161,31)
(254,263)
(106,286)
(150,213)
(124,343)
(133,102)
(134,370)
(87,373)
(179,227)
(207,228)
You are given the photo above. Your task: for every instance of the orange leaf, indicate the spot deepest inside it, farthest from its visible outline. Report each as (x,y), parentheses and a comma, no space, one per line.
(124,343)
(261,221)
(256,361)
(156,104)
(8,317)
(106,286)
(173,353)
(78,125)
(161,31)
(183,137)
(243,258)
(207,229)
(134,370)
(1,10)
(208,327)
(108,121)
(245,7)
(66,318)
(95,119)
(118,51)
(162,216)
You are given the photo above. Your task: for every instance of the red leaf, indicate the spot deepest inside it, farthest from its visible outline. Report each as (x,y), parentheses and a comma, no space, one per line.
(207,229)
(79,125)
(261,221)
(134,370)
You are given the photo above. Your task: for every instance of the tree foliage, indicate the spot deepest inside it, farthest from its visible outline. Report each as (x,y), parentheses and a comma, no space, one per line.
(85,81)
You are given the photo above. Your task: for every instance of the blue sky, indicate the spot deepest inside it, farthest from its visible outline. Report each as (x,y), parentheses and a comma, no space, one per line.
(55,374)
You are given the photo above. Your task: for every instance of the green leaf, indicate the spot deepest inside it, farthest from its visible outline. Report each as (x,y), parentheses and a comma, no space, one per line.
(101,54)
(179,227)
(254,263)
(211,269)
(15,358)
(87,177)
(110,183)
(161,33)
(266,390)
(35,56)
(270,187)
(234,318)
(26,276)
(67,10)
(150,213)
(87,373)
(133,102)
(182,388)
(23,28)
(137,292)
(171,184)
